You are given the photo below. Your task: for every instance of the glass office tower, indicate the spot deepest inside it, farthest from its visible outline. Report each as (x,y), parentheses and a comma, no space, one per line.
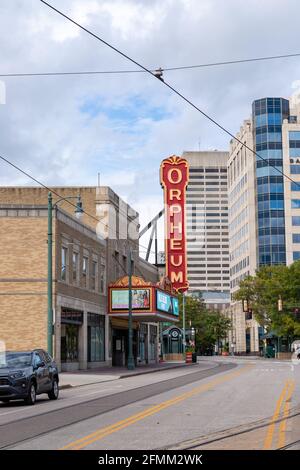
(268,115)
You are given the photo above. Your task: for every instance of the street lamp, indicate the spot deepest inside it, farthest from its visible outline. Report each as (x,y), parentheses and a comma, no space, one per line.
(78,214)
(130,360)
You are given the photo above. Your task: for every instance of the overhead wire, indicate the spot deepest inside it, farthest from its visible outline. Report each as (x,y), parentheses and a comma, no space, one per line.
(163,69)
(53,191)
(170,87)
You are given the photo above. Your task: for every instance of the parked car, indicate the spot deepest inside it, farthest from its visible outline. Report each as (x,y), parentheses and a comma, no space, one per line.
(26,374)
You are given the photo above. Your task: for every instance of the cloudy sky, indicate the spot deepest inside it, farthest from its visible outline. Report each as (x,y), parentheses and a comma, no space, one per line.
(64,130)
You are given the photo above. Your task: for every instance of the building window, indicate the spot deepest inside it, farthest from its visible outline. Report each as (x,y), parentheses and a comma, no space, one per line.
(296,237)
(75,266)
(64,255)
(295,169)
(96,337)
(93,275)
(102,277)
(295,203)
(295,186)
(85,262)
(296,220)
(296,255)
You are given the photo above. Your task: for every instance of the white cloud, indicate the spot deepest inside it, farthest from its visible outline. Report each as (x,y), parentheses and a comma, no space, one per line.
(45,131)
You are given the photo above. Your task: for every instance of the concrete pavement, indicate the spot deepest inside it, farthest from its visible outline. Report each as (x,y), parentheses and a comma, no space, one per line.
(255,405)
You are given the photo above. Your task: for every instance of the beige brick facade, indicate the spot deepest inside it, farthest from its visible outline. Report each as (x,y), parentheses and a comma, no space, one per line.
(23,271)
(23,276)
(23,282)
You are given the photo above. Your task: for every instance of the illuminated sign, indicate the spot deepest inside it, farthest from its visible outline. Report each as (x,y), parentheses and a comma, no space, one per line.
(174,177)
(166,303)
(140,299)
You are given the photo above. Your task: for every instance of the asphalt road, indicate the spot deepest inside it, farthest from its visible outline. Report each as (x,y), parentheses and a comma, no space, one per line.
(232,404)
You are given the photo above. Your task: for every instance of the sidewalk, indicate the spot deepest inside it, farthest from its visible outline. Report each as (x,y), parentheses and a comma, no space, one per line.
(104,374)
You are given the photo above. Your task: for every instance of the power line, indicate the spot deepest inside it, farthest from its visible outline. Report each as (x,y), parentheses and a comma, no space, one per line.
(163,69)
(47,187)
(220,126)
(28,175)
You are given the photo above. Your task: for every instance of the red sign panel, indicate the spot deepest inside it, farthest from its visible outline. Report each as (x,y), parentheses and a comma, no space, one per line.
(174,177)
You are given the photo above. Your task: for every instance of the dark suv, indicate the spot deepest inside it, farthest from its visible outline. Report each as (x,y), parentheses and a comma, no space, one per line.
(26,374)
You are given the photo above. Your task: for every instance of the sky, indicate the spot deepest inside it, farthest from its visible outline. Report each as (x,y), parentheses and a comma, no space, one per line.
(65,130)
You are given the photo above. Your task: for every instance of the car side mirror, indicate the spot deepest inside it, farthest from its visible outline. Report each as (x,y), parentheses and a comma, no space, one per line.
(40,364)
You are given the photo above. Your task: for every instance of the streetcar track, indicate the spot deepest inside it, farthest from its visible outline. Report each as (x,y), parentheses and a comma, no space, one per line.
(288,446)
(233,432)
(27,428)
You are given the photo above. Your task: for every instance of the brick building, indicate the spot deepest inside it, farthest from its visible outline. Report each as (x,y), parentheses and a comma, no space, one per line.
(79,285)
(87,256)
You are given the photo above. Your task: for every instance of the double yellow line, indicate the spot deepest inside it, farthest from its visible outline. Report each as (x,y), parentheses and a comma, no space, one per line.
(282,408)
(106,431)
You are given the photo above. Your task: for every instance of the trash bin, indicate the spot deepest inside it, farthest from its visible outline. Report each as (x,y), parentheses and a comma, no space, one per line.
(194,357)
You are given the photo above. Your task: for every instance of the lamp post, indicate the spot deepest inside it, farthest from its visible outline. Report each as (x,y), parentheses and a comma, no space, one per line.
(50,280)
(78,214)
(130,360)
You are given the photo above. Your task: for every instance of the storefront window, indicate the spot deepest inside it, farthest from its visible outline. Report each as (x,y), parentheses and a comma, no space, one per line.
(69,343)
(142,341)
(71,321)
(96,337)
(153,337)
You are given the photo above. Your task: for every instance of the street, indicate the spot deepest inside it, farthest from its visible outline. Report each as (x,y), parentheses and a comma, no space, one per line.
(220,403)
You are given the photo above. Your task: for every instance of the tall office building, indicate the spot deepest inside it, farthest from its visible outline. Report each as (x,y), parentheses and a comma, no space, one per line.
(264,209)
(207,227)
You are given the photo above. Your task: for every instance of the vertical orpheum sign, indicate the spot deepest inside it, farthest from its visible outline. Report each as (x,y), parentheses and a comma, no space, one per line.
(174,177)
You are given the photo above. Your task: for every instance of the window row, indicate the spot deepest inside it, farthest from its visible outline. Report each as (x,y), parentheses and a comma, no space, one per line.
(238,188)
(237,165)
(83,271)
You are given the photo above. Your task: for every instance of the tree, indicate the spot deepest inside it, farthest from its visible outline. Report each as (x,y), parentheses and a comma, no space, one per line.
(211,326)
(263,291)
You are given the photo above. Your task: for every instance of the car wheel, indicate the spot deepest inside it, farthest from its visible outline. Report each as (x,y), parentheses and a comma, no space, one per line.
(5,400)
(53,394)
(31,397)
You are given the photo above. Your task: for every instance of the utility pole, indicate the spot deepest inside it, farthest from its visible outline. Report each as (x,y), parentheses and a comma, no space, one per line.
(50,280)
(130,360)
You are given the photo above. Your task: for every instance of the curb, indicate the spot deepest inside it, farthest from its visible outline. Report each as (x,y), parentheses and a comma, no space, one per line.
(126,376)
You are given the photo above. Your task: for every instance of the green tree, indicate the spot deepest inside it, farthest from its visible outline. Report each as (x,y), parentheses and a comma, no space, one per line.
(211,326)
(263,291)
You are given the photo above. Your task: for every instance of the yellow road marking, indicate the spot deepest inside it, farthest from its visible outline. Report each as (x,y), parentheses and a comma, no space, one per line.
(271,428)
(286,410)
(103,432)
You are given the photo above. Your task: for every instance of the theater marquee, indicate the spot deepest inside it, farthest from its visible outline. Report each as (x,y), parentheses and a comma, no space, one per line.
(174,177)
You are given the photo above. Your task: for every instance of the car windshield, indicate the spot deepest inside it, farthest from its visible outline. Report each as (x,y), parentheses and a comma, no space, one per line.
(15,359)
